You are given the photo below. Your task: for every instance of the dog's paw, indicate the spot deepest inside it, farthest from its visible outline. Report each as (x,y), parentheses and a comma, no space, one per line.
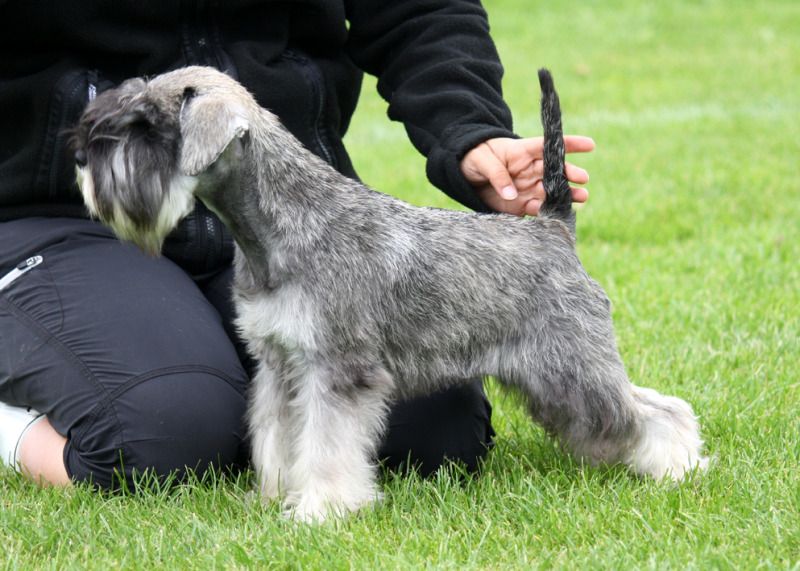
(315,509)
(309,515)
(256,497)
(270,489)
(669,444)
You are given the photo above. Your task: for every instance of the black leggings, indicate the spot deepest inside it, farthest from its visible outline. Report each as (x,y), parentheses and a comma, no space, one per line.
(136,363)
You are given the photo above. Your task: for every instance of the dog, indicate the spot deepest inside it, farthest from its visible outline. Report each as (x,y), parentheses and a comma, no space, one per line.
(349,298)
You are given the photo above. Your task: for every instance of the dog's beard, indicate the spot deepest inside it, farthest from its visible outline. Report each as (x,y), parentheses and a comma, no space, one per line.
(130,180)
(148,232)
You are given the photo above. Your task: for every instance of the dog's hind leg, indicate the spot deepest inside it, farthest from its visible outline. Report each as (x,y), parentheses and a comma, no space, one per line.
(577,388)
(338,419)
(604,419)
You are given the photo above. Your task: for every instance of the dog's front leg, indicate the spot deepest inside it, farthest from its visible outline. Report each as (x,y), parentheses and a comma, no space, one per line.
(267,421)
(337,422)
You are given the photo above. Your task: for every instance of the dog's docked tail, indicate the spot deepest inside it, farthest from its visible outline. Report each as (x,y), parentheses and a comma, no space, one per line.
(558,201)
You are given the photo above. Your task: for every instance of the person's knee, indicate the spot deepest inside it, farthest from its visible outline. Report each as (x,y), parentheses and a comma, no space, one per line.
(166,426)
(427,432)
(41,452)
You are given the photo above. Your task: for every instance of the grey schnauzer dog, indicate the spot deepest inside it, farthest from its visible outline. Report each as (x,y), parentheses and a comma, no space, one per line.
(349,298)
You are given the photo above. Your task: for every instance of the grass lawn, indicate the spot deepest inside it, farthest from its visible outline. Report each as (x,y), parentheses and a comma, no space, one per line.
(693,229)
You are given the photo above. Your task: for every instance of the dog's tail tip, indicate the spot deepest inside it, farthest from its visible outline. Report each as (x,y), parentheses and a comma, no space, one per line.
(546,80)
(558,195)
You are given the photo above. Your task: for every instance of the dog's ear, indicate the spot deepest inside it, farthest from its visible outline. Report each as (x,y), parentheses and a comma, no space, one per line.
(208,125)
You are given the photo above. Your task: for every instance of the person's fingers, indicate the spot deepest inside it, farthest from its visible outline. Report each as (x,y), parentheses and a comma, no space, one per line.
(579,194)
(528,202)
(490,167)
(532,207)
(535,170)
(576,174)
(490,197)
(537,192)
(578,144)
(534,146)
(508,172)
(527,177)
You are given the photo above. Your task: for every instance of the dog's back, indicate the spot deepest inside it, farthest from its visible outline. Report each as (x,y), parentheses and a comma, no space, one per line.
(558,202)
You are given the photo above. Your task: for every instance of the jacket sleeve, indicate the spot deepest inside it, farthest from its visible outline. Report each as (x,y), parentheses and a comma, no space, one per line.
(438,68)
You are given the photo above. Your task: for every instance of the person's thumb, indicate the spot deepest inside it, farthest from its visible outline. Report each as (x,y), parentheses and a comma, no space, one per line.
(494,170)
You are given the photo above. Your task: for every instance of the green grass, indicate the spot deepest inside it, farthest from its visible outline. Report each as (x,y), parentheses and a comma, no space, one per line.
(692,228)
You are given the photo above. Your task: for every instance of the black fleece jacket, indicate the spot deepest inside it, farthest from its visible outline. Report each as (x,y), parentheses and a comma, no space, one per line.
(303,59)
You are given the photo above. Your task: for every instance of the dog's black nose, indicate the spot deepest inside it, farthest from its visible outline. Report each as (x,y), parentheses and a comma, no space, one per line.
(80,158)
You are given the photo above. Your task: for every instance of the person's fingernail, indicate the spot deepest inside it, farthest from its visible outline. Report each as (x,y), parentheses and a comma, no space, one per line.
(508,192)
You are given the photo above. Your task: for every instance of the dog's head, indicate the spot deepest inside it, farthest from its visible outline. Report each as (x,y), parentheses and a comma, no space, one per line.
(142,149)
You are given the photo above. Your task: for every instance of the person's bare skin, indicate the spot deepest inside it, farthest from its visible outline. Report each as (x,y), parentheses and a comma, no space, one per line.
(41,455)
(507,173)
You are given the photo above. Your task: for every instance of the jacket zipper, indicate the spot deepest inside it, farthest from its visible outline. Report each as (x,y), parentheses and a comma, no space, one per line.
(314,78)
(316,83)
(68,102)
(91,84)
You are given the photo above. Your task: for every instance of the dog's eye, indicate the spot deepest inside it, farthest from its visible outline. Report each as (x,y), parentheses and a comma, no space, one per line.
(188,93)
(80,158)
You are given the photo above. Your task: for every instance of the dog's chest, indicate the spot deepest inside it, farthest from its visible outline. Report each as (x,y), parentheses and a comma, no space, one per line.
(284,317)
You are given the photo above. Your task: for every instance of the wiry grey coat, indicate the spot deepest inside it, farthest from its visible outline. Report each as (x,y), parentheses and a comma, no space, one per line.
(349,297)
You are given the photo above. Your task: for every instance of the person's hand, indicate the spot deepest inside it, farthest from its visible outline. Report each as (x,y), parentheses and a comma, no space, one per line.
(507,173)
